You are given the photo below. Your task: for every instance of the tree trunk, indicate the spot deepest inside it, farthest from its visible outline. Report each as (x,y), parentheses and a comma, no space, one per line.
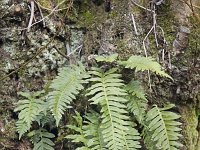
(166,30)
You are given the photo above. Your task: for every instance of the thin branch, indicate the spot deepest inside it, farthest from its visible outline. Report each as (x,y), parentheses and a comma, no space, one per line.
(41,14)
(32,16)
(62,54)
(140,6)
(144,40)
(154,26)
(134,24)
(48,9)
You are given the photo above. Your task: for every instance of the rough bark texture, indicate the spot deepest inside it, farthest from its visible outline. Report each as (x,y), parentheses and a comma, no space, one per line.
(98,27)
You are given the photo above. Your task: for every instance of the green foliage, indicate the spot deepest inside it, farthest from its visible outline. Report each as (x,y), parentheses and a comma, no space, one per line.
(65,87)
(78,137)
(108,92)
(93,132)
(163,128)
(41,139)
(117,105)
(28,109)
(109,59)
(144,63)
(89,134)
(137,102)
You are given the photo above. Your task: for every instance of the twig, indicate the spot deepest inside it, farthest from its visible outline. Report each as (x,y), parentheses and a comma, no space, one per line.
(72,52)
(154,26)
(32,15)
(141,6)
(164,40)
(145,50)
(49,13)
(48,9)
(41,14)
(134,24)
(67,57)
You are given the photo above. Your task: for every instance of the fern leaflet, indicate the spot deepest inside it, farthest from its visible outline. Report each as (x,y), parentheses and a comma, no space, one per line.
(65,87)
(163,127)
(144,63)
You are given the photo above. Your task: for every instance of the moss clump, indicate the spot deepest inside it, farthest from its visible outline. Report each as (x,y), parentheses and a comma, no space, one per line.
(190,118)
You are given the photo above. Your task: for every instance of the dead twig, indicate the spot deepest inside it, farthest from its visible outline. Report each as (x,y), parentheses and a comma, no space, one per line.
(32,15)
(134,24)
(140,6)
(41,14)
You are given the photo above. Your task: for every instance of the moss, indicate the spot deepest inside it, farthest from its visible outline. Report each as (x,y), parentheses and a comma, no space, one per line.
(190,118)
(86,19)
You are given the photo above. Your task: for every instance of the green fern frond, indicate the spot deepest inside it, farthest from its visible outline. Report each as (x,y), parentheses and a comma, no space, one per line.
(65,87)
(137,102)
(110,58)
(163,128)
(78,137)
(28,111)
(93,132)
(144,63)
(132,138)
(22,127)
(45,118)
(108,91)
(42,139)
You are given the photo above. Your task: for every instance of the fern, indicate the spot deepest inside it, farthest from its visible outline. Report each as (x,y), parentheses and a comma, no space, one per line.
(132,136)
(163,127)
(93,132)
(65,87)
(108,92)
(28,110)
(137,103)
(78,137)
(22,127)
(144,63)
(42,139)
(109,59)
(45,118)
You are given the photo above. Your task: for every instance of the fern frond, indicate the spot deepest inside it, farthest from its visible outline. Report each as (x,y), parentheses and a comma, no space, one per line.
(132,136)
(144,63)
(22,127)
(163,128)
(28,111)
(109,59)
(42,139)
(137,102)
(45,118)
(108,92)
(78,137)
(65,87)
(93,132)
